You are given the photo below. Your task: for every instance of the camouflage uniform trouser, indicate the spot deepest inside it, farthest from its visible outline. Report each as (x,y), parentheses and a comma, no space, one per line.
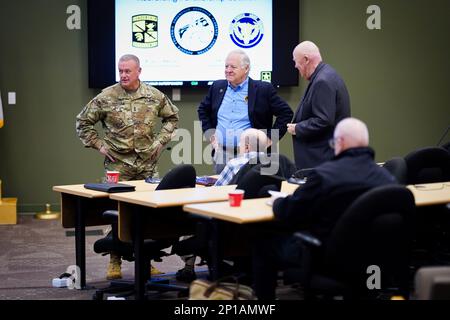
(139,171)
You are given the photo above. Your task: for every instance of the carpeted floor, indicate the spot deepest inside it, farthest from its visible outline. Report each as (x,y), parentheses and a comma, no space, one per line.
(33,252)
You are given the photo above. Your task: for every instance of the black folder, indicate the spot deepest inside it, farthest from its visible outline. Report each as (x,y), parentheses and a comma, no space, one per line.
(110,187)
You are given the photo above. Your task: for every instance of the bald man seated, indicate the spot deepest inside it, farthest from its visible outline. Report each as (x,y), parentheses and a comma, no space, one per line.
(251,143)
(353,167)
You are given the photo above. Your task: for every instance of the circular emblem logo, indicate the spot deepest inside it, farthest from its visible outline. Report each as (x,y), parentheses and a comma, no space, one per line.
(194,30)
(246,30)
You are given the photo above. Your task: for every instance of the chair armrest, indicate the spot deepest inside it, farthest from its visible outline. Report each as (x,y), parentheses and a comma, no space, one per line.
(111,215)
(307,238)
(302,173)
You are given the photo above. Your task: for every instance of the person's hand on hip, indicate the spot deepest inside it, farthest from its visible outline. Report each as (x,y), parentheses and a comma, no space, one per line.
(104,152)
(157,152)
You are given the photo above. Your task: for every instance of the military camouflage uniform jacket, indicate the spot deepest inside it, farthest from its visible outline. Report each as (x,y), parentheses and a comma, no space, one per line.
(129,121)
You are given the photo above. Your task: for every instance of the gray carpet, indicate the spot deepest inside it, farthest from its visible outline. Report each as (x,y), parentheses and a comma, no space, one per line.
(33,252)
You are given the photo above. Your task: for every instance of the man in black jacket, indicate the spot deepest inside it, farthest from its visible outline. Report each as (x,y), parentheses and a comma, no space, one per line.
(352,167)
(238,103)
(324,103)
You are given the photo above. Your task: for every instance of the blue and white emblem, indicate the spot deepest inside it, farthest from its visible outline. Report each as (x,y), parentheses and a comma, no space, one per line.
(194,30)
(246,30)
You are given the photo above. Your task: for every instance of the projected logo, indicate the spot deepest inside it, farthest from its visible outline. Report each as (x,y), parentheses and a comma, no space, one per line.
(246,30)
(145,31)
(194,30)
(266,76)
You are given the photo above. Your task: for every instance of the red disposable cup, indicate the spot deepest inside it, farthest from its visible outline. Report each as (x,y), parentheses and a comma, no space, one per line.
(236,197)
(112,176)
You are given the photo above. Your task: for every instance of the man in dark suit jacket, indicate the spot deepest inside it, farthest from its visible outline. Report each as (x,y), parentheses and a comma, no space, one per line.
(324,103)
(353,168)
(238,103)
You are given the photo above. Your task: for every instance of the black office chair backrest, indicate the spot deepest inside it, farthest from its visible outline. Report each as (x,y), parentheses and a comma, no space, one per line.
(256,184)
(245,168)
(397,167)
(427,165)
(374,230)
(181,176)
(324,214)
(279,165)
(273,164)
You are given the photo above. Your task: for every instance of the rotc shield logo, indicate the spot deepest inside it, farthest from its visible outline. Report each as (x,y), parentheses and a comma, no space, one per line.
(145,31)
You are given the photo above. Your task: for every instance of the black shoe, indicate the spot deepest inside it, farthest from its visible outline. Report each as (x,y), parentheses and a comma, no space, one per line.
(185,275)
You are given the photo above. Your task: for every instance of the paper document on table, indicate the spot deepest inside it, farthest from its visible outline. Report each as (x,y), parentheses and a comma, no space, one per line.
(275,195)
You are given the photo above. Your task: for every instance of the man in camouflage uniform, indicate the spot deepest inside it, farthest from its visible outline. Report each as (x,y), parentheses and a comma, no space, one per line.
(128,112)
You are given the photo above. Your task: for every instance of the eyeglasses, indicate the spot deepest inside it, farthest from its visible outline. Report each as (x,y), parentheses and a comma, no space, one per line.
(332,143)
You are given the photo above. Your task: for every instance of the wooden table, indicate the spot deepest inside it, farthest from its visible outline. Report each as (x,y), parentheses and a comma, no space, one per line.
(217,215)
(431,193)
(81,207)
(250,211)
(257,210)
(289,188)
(140,217)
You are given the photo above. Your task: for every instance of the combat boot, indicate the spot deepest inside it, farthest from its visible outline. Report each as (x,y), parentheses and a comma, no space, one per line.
(114,267)
(154,271)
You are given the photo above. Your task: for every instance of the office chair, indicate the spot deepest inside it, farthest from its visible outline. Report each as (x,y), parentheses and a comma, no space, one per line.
(432,226)
(283,166)
(372,231)
(182,176)
(397,167)
(256,178)
(246,168)
(427,165)
(255,185)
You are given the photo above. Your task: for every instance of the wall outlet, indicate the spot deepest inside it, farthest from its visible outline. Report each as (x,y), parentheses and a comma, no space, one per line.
(176,94)
(11,98)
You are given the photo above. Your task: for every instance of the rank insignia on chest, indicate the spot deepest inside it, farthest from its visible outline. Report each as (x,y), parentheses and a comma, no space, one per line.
(117,108)
(134,109)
